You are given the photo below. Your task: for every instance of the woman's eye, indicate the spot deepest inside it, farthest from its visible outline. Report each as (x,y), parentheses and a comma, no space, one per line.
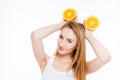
(69,41)
(60,36)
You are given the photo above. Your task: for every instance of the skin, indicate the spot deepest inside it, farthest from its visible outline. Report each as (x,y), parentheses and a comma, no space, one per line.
(66,41)
(66,44)
(62,61)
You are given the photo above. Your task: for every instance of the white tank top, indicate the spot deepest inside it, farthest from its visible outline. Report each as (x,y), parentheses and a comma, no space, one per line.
(51,74)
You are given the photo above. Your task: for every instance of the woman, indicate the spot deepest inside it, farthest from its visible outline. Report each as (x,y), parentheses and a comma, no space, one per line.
(69,62)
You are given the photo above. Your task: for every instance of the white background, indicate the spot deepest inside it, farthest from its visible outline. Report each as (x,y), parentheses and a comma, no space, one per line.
(18,18)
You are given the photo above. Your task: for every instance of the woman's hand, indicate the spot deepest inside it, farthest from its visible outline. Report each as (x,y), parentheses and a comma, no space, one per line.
(63,22)
(87,31)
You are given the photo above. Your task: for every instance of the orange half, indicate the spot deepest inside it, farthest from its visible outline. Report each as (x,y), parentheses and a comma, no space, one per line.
(69,14)
(92,22)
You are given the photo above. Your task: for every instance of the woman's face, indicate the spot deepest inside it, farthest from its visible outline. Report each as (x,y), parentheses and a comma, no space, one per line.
(66,41)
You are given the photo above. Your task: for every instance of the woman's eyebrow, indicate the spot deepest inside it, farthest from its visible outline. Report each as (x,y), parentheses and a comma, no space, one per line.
(70,39)
(67,38)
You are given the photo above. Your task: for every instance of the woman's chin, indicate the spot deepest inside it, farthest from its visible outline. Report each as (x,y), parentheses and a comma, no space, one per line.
(60,53)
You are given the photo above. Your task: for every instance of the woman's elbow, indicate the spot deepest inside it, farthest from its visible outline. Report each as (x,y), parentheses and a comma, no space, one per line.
(106,59)
(34,35)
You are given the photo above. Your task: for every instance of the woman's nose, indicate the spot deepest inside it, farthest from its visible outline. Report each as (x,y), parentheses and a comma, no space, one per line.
(62,43)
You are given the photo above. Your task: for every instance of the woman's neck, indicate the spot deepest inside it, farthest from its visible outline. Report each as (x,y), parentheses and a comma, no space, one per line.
(64,58)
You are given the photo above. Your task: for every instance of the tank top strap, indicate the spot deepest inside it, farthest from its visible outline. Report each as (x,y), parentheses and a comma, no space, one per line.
(51,74)
(49,63)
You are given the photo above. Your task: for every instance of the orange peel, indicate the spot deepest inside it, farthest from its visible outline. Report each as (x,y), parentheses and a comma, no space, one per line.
(92,22)
(69,14)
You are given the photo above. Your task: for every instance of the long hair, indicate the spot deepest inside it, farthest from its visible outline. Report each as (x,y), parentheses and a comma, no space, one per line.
(79,54)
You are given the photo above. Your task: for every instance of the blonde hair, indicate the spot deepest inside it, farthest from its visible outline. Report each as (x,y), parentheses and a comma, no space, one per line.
(79,54)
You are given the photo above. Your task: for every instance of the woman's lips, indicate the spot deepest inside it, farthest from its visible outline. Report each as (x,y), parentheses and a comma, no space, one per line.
(61,48)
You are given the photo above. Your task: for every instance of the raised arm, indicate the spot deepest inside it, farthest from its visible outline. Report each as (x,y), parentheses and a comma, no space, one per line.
(37,36)
(102,55)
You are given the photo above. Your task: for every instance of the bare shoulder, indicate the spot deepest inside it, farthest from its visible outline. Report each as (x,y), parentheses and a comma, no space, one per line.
(47,58)
(44,63)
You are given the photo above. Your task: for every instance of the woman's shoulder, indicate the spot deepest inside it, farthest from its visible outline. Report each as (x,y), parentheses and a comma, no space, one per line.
(47,62)
(49,59)
(44,62)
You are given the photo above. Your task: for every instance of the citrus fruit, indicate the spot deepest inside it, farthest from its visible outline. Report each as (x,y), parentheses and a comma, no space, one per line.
(69,14)
(92,22)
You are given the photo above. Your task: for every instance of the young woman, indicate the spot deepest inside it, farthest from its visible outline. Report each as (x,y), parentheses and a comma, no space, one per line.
(69,62)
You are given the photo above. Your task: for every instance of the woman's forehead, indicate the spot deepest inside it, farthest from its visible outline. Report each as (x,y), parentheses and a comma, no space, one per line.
(68,33)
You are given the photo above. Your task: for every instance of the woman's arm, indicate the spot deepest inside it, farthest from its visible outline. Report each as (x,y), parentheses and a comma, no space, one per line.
(102,55)
(36,38)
